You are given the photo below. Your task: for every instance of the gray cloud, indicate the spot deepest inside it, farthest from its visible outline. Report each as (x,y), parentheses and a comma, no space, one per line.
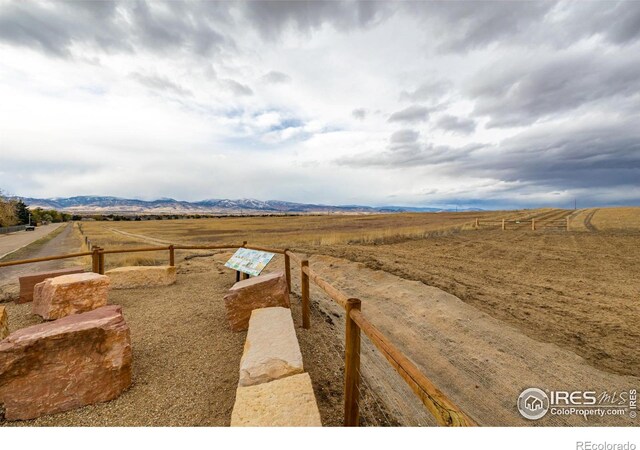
(429,90)
(414,113)
(359,113)
(456,124)
(159,83)
(272,17)
(275,77)
(404,137)
(238,89)
(525,90)
(53,27)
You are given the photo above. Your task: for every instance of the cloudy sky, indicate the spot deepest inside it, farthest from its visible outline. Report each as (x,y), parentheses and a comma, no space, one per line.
(376,103)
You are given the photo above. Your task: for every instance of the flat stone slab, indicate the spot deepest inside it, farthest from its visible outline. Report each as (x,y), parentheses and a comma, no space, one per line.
(28,282)
(271,350)
(70,294)
(288,402)
(141,276)
(75,361)
(4,323)
(257,292)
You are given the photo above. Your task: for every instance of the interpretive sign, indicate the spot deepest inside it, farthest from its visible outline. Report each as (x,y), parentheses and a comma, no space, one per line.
(249,261)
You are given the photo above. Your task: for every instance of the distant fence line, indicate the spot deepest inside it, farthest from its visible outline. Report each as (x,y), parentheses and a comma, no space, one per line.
(5,230)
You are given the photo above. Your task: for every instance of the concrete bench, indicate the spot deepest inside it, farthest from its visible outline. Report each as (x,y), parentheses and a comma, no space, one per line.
(70,294)
(288,402)
(28,282)
(257,292)
(56,366)
(141,276)
(271,350)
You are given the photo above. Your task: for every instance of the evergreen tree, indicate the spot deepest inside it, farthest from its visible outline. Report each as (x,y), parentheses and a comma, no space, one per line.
(22,212)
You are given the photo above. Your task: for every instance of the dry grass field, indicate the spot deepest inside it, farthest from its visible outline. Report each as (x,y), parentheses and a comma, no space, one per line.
(577,290)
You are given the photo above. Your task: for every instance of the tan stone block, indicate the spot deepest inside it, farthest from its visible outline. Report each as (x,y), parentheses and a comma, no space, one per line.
(271,350)
(257,292)
(70,294)
(28,282)
(288,402)
(4,323)
(56,366)
(141,276)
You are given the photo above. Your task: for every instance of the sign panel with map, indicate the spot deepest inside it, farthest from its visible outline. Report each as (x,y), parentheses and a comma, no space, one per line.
(249,261)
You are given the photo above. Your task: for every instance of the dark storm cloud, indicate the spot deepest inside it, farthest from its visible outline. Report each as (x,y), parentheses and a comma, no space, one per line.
(456,124)
(583,155)
(586,155)
(414,113)
(273,17)
(523,91)
(468,25)
(159,83)
(53,27)
(275,77)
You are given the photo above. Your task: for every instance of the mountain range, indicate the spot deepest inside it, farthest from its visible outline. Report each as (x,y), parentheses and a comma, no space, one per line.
(117,205)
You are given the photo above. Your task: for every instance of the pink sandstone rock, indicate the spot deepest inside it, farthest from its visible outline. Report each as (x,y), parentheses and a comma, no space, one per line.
(75,361)
(257,292)
(70,294)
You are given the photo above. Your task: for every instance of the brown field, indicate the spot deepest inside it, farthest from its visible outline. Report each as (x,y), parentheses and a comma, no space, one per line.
(577,290)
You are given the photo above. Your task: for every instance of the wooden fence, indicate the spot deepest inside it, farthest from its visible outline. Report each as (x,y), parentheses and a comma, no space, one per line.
(535,223)
(444,410)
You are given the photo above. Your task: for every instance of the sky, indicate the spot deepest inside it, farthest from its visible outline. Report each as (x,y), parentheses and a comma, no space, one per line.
(442,104)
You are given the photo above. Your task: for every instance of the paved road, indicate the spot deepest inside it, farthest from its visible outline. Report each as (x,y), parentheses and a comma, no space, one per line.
(9,243)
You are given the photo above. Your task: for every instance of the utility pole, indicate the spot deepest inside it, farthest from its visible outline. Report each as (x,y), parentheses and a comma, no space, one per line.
(575,203)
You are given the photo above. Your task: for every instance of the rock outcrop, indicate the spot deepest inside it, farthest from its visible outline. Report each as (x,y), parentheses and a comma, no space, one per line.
(286,402)
(257,292)
(141,276)
(4,323)
(271,350)
(28,282)
(75,361)
(70,294)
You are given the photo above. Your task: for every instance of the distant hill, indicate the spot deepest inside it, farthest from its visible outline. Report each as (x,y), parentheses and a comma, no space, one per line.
(117,205)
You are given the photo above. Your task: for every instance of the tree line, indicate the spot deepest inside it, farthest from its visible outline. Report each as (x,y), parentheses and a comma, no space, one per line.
(15,212)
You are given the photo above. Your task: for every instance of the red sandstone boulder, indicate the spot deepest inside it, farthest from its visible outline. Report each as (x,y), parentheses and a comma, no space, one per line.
(70,294)
(257,292)
(28,282)
(75,361)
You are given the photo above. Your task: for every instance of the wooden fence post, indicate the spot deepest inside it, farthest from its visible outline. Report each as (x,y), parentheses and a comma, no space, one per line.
(287,268)
(101,261)
(477,223)
(533,224)
(351,367)
(304,277)
(95,260)
(172,256)
(503,225)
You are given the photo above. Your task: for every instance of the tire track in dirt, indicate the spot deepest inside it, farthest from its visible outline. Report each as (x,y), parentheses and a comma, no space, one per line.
(587,221)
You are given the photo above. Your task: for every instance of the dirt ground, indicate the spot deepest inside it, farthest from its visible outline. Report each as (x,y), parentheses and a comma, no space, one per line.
(186,360)
(578,290)
(442,292)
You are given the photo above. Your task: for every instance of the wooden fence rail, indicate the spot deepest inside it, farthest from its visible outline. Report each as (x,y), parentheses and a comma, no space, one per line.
(445,412)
